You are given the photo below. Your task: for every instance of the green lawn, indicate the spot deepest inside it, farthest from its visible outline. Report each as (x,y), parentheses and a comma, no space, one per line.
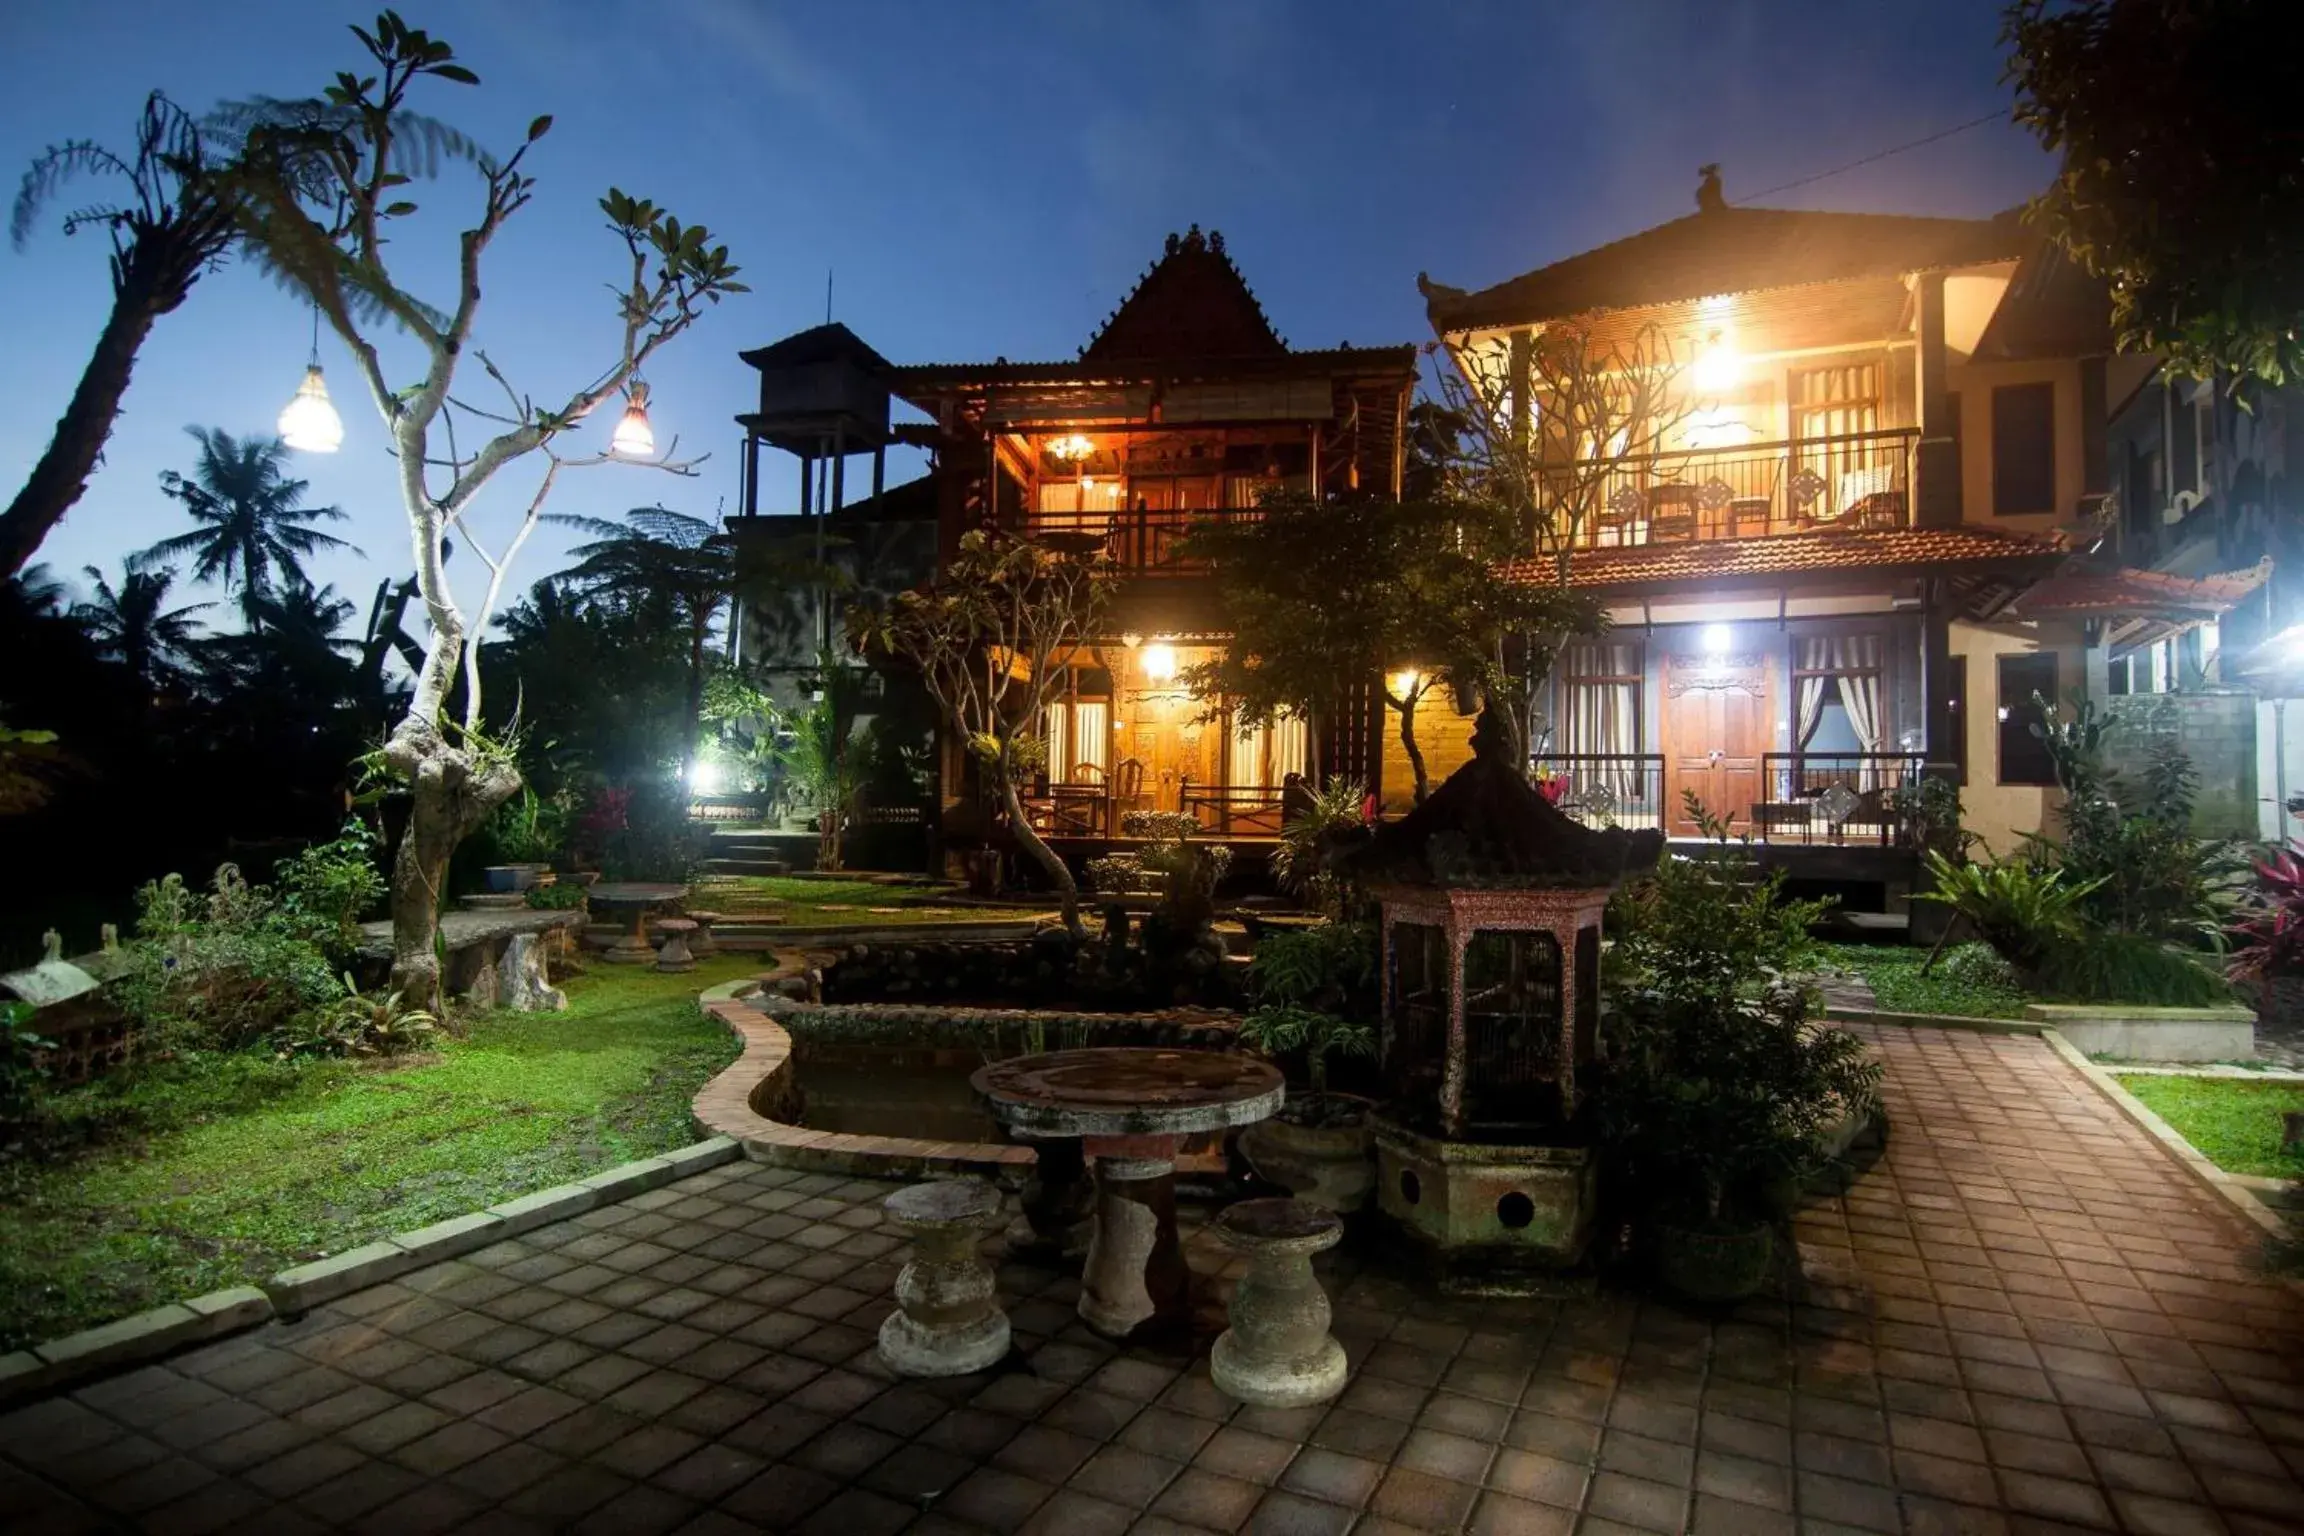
(849,903)
(222,1170)
(1961,982)
(2234,1122)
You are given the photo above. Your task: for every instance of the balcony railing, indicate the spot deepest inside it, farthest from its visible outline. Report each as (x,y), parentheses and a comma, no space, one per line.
(1142,542)
(1838,798)
(1093,811)
(1233,810)
(1857,481)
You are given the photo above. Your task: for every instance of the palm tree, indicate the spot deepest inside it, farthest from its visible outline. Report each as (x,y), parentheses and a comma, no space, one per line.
(173,224)
(34,592)
(134,626)
(254,524)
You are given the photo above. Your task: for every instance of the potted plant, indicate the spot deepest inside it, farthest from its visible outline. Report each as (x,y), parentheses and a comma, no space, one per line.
(1318,1146)
(1312,985)
(1714,1105)
(526,834)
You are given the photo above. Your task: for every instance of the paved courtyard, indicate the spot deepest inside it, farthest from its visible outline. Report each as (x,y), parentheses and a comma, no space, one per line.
(2023,1318)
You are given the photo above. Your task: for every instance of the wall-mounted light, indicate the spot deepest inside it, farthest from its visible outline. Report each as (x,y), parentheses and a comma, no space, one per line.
(1159,662)
(1716,639)
(1717,367)
(2002,712)
(1404,682)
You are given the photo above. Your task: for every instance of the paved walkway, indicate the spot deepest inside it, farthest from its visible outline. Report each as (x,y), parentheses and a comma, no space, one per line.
(2022,1319)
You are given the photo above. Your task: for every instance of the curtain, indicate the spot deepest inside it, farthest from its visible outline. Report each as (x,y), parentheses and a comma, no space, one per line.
(1852,662)
(1603,715)
(1090,757)
(1814,660)
(1291,746)
(1059,735)
(1248,756)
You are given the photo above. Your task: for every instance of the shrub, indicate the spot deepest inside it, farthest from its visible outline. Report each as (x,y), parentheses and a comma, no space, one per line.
(1708,1101)
(1280,1029)
(559,896)
(1709,924)
(1299,863)
(324,891)
(21,1072)
(1979,967)
(2271,933)
(1330,967)
(527,830)
(223,971)
(2100,967)
(656,840)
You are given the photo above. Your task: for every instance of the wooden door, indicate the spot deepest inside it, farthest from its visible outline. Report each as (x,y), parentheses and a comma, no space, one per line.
(1715,729)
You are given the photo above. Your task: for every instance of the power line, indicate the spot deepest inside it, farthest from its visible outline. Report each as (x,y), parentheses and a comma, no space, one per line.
(1945,133)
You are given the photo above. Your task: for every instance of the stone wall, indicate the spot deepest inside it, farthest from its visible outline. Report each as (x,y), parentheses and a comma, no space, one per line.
(1048,970)
(2218,732)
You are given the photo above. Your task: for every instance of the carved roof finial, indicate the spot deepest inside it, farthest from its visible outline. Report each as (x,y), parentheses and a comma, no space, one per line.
(1708,195)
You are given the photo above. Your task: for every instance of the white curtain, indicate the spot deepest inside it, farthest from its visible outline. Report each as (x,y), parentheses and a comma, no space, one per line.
(1248,756)
(1852,662)
(1090,759)
(1602,715)
(1291,746)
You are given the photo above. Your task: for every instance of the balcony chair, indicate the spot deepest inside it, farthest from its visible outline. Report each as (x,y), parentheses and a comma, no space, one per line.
(1673,513)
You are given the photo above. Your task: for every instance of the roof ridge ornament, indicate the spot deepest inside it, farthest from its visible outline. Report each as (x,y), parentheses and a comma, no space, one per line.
(1709,198)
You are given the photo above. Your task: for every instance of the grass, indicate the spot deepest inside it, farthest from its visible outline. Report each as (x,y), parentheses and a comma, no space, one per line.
(2235,1123)
(848,903)
(224,1169)
(1961,983)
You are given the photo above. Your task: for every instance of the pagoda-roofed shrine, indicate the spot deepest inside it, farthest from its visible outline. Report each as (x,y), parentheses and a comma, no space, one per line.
(1492,901)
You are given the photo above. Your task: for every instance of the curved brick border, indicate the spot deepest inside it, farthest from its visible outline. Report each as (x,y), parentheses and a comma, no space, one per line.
(724,1107)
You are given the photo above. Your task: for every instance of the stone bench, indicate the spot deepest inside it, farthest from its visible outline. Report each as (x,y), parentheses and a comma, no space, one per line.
(1278,1352)
(947,1320)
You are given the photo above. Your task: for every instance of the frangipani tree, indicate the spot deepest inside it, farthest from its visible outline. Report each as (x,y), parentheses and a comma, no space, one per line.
(320,196)
(988,638)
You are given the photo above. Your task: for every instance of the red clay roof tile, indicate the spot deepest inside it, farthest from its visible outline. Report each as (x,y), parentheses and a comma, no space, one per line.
(1790,554)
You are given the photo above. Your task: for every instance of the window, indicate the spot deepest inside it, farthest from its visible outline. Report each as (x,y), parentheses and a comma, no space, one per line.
(2023,756)
(1835,402)
(1600,710)
(1079,741)
(2023,449)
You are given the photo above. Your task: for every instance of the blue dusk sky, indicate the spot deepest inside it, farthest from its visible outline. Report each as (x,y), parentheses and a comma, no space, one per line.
(982,179)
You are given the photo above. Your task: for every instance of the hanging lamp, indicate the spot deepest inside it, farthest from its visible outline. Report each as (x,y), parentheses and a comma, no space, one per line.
(308,422)
(634,438)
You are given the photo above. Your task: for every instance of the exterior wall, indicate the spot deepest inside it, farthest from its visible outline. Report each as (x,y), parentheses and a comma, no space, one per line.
(2218,732)
(1442,735)
(1974,383)
(2000,813)
(2279,766)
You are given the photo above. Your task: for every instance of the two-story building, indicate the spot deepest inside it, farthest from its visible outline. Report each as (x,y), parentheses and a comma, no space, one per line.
(1869,541)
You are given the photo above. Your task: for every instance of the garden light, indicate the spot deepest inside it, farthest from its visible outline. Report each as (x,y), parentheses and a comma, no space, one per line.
(634,438)
(704,777)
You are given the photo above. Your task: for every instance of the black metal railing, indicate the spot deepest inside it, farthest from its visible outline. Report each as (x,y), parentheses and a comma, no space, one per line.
(1606,789)
(1833,797)
(1855,481)
(1140,542)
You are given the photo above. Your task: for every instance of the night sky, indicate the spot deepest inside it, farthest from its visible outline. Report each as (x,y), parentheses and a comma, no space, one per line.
(983,180)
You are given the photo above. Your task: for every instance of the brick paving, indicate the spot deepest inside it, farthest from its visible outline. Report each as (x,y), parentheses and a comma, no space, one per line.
(2021,1319)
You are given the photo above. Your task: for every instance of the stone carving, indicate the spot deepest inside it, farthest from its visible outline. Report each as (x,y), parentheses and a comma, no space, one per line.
(948,1320)
(1278,1352)
(523,981)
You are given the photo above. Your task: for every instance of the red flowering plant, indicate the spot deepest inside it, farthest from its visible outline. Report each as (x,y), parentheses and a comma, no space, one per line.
(2270,938)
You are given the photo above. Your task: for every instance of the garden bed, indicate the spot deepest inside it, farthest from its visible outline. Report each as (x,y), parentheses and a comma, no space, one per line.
(221,1170)
(1960,984)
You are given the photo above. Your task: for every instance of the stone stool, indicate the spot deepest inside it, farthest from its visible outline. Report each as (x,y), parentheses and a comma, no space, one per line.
(674,955)
(701,944)
(1278,1352)
(948,1320)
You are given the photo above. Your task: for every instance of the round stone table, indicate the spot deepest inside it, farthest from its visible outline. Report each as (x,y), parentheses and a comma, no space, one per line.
(642,896)
(1129,1107)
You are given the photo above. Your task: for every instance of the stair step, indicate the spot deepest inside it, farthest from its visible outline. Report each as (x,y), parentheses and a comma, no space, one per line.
(747,866)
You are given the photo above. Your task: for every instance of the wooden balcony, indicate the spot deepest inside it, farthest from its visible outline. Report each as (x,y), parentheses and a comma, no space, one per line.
(1225,812)
(1855,482)
(1842,799)
(1142,542)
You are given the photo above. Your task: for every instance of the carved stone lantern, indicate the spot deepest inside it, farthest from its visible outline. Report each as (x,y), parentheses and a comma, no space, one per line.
(1492,901)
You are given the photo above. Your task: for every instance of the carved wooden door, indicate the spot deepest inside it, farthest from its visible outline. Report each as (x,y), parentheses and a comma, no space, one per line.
(1715,730)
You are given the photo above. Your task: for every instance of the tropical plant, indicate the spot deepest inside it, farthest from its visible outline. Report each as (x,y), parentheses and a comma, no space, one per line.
(2270,935)
(173,223)
(369,1024)
(560,896)
(2107,966)
(1329,966)
(1280,1029)
(1300,861)
(133,625)
(253,525)
(988,638)
(817,748)
(223,971)
(2022,909)
(527,829)
(23,1069)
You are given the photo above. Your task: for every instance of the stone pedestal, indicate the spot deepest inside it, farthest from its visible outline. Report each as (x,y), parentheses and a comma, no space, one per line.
(1135,1277)
(523,983)
(1278,1352)
(701,944)
(674,955)
(948,1320)
(1059,1201)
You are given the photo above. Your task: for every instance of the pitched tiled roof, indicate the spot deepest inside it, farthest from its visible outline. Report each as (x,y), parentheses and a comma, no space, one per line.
(1399,359)
(1789,555)
(819,343)
(1192,303)
(1728,250)
(2129,593)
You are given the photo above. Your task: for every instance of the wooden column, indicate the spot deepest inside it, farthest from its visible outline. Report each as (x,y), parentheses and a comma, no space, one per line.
(1521,385)
(1936,491)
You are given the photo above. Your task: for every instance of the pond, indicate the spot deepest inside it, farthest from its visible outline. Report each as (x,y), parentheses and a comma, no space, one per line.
(868,1090)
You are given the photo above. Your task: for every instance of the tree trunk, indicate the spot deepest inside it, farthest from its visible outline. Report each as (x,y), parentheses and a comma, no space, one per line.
(1067,890)
(61,476)
(448,800)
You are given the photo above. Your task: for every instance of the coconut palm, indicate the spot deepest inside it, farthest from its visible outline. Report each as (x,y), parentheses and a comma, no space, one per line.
(133,625)
(173,223)
(35,592)
(254,526)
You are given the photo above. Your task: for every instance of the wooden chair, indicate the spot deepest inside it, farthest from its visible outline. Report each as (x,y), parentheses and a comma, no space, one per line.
(1673,511)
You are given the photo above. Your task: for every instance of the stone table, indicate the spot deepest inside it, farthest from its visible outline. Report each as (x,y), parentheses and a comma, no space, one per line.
(1129,1107)
(641,896)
